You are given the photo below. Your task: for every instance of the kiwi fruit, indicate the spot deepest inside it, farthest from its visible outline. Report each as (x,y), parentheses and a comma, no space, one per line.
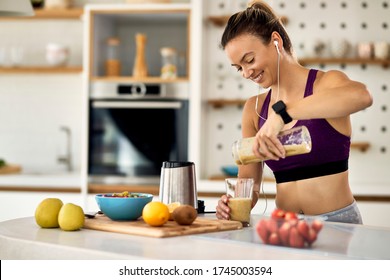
(184,214)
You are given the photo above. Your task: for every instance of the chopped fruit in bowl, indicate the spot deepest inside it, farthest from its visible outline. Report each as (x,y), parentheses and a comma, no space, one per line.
(286,229)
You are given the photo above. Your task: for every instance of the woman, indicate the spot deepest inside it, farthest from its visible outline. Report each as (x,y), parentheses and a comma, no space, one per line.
(258,46)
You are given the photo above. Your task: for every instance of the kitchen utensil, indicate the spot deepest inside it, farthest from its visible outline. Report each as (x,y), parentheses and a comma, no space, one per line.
(92,215)
(123,208)
(169,229)
(178,183)
(140,69)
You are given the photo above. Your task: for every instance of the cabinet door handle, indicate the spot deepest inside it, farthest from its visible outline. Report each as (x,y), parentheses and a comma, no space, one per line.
(139,105)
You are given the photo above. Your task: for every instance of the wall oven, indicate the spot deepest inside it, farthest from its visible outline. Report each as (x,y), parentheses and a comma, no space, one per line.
(133,129)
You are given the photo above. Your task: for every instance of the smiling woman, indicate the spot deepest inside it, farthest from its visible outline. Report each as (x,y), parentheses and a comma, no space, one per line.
(314,183)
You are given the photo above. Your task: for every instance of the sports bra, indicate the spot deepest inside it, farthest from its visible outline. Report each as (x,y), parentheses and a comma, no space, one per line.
(329,153)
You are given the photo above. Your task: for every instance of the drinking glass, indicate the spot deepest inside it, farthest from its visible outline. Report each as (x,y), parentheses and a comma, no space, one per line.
(240,191)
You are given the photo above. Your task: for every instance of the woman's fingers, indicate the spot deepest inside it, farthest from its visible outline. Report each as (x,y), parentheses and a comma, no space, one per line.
(222,209)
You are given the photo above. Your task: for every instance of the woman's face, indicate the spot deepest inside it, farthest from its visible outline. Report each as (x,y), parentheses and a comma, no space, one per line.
(253,59)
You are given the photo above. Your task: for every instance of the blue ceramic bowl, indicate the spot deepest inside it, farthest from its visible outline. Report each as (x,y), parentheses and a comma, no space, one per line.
(230,170)
(123,208)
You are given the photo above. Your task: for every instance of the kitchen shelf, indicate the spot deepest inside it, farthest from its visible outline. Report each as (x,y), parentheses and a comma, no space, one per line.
(71,13)
(146,80)
(221,21)
(41,70)
(306,61)
(361,145)
(219,103)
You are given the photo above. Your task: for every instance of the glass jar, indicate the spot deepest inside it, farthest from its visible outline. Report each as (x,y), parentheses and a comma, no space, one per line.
(113,65)
(296,141)
(168,63)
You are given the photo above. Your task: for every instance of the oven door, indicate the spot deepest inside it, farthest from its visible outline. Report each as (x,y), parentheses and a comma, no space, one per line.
(130,139)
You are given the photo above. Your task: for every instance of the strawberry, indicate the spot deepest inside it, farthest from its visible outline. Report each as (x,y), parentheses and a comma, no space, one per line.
(277,213)
(284,232)
(295,239)
(290,216)
(303,229)
(312,236)
(316,225)
(262,231)
(274,239)
(272,225)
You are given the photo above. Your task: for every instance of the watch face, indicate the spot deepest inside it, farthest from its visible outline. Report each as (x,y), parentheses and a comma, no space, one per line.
(279,106)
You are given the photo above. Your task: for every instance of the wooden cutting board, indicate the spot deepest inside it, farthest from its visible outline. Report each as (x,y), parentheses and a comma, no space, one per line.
(10,169)
(169,229)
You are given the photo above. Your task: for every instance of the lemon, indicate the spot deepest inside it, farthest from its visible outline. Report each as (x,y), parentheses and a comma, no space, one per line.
(155,213)
(71,217)
(171,207)
(46,213)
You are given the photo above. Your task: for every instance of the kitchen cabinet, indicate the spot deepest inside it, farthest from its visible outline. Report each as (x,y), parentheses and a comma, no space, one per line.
(171,25)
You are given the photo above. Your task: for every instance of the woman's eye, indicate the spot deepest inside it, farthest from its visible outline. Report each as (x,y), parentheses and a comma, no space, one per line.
(239,69)
(250,61)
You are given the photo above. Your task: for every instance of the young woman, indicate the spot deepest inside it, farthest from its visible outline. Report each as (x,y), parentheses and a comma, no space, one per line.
(316,183)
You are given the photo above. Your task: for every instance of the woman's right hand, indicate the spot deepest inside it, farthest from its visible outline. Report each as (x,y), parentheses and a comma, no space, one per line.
(222,209)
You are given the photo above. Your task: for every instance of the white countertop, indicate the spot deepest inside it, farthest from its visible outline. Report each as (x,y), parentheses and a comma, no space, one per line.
(62,180)
(23,239)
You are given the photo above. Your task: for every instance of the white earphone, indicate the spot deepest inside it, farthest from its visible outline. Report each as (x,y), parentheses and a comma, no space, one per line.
(276,43)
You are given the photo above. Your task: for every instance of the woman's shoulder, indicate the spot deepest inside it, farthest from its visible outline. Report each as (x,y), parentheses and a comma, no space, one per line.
(331,78)
(259,99)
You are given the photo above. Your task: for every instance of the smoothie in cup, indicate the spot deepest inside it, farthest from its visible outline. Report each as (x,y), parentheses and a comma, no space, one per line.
(240,191)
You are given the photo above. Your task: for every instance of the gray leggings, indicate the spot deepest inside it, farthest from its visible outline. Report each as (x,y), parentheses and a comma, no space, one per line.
(349,214)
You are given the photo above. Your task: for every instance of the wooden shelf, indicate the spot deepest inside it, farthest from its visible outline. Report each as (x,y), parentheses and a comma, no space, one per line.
(362,146)
(219,103)
(71,13)
(41,70)
(146,80)
(306,61)
(221,21)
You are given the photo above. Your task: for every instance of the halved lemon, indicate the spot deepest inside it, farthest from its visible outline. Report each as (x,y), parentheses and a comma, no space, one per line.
(171,207)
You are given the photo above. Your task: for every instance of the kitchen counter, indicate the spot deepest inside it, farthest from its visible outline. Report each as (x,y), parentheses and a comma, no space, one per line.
(23,239)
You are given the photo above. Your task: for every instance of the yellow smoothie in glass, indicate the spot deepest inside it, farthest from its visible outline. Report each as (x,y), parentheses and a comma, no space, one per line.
(240,209)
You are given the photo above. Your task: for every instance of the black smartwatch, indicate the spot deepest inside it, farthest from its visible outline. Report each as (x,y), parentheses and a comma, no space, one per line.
(280,109)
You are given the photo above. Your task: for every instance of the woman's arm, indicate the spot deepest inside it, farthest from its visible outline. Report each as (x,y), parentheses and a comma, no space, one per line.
(335,96)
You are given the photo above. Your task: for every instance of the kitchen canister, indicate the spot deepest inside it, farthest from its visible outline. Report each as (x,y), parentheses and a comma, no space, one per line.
(113,64)
(296,141)
(168,63)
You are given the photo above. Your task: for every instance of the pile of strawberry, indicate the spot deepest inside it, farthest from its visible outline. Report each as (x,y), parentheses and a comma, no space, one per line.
(285,229)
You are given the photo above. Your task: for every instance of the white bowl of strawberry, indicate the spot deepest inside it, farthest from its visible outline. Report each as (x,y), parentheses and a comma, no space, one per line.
(285,228)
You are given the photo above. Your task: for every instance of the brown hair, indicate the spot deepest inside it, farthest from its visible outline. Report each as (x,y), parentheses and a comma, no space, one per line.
(258,20)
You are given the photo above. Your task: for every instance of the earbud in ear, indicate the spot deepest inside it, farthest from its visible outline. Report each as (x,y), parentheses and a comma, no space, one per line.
(276,43)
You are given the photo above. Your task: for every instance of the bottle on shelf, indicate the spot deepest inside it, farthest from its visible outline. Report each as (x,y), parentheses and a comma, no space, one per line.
(113,64)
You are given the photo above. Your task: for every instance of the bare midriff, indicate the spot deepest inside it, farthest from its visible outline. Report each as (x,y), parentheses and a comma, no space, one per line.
(315,196)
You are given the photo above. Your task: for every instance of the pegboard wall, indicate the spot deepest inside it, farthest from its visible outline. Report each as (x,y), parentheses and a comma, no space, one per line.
(310,23)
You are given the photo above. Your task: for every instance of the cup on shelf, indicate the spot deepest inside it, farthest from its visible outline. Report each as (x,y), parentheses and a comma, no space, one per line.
(365,50)
(57,54)
(381,50)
